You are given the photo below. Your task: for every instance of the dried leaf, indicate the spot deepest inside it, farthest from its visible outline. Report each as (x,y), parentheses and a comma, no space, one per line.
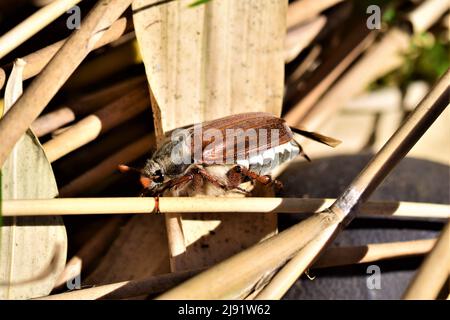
(205,62)
(32,249)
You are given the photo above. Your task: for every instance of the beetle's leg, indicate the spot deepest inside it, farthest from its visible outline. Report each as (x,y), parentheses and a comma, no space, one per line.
(157,211)
(176,182)
(145,192)
(205,174)
(264,180)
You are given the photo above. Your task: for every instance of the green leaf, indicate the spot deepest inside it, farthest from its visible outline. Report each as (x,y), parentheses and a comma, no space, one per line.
(198,2)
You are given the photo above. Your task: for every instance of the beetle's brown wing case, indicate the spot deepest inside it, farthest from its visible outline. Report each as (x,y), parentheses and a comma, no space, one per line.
(216,151)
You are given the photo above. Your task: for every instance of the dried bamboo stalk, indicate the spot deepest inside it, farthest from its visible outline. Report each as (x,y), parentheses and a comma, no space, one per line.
(126,289)
(339,256)
(303,66)
(294,268)
(332,257)
(33,24)
(342,211)
(237,276)
(302,10)
(85,105)
(115,60)
(36,61)
(89,128)
(380,59)
(52,121)
(433,272)
(45,86)
(107,166)
(426,14)
(323,78)
(298,38)
(81,206)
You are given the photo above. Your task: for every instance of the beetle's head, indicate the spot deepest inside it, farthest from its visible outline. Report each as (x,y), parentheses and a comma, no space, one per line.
(151,176)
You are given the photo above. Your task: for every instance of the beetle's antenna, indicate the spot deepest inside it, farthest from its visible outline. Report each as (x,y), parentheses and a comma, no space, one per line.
(317,137)
(302,152)
(125,169)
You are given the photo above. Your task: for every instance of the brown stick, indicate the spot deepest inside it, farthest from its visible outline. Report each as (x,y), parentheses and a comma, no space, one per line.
(332,257)
(107,166)
(380,59)
(302,10)
(82,106)
(339,256)
(52,121)
(127,289)
(426,14)
(300,37)
(57,71)
(33,24)
(433,272)
(36,61)
(89,128)
(323,78)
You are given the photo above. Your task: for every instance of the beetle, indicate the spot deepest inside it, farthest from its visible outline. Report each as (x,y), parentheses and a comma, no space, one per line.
(216,164)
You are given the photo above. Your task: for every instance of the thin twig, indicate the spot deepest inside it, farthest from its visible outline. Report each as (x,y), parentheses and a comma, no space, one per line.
(302,10)
(426,14)
(82,106)
(36,61)
(83,206)
(33,24)
(300,37)
(339,256)
(327,73)
(104,119)
(108,166)
(126,289)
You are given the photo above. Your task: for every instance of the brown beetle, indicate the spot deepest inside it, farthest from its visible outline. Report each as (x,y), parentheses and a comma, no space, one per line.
(224,153)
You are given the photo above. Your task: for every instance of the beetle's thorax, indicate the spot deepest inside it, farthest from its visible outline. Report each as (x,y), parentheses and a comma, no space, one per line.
(163,159)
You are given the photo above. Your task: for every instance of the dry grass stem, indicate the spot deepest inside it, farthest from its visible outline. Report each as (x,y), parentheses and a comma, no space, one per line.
(74,206)
(302,10)
(33,24)
(89,128)
(108,166)
(39,93)
(36,61)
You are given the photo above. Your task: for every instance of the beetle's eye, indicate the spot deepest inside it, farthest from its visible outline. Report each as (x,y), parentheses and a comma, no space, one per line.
(159,176)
